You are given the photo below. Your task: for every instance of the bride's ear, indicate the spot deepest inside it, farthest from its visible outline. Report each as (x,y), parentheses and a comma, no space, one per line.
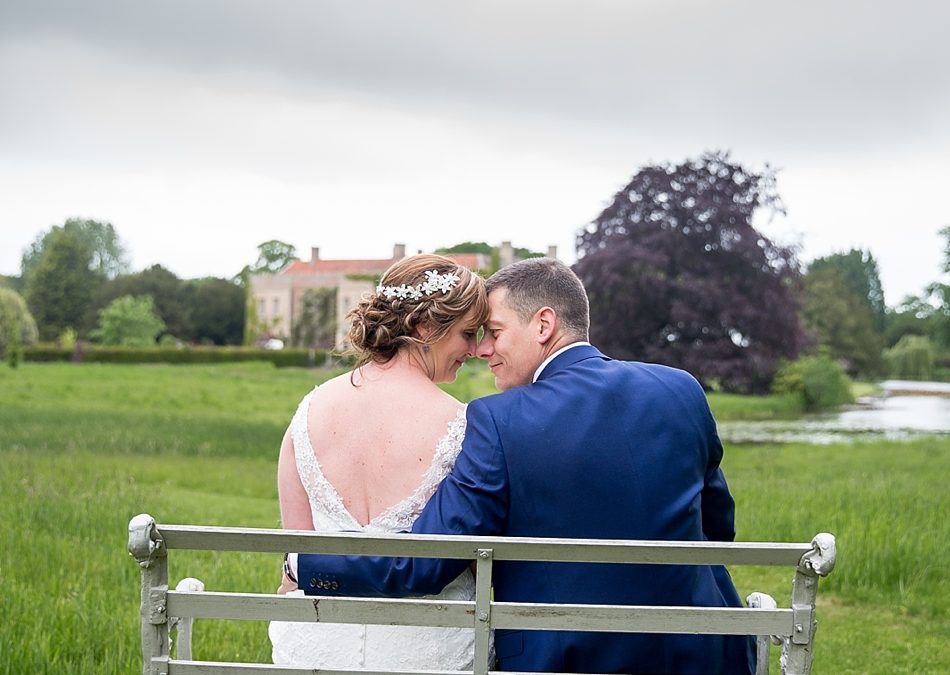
(422,331)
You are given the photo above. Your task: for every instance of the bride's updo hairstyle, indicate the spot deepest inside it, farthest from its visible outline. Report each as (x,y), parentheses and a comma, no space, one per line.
(423,290)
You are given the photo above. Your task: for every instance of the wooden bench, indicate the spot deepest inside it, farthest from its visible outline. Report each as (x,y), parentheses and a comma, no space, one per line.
(163,610)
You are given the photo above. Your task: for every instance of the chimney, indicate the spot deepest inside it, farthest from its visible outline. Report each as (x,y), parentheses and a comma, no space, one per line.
(506,254)
(314,253)
(552,251)
(399,251)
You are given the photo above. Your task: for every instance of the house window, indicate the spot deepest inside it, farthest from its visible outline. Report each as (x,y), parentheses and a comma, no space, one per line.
(276,306)
(260,306)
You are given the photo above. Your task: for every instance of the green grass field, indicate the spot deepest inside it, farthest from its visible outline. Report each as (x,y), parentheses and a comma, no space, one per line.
(83,448)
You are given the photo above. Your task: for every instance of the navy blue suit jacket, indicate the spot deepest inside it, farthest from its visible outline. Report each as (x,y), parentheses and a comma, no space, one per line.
(596,448)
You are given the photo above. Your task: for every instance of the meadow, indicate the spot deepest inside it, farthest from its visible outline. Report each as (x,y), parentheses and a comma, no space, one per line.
(83,448)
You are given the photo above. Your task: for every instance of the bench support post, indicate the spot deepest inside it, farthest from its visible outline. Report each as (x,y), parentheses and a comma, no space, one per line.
(820,561)
(763,643)
(483,570)
(148,549)
(182,626)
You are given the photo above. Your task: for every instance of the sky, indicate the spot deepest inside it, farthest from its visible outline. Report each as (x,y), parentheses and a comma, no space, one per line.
(201,129)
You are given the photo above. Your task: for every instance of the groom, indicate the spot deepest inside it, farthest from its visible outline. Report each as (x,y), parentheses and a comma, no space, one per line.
(577,446)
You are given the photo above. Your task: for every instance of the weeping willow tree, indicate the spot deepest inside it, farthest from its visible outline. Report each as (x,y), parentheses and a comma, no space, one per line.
(17,327)
(912,358)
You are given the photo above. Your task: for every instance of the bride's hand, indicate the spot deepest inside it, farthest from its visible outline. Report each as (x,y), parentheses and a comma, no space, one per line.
(286,585)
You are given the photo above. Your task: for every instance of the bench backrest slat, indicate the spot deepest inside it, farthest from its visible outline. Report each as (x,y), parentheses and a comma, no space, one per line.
(459,614)
(261,607)
(508,549)
(225,668)
(642,619)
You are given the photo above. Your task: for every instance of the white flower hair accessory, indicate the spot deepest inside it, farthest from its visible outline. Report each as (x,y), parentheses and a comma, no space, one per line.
(434,283)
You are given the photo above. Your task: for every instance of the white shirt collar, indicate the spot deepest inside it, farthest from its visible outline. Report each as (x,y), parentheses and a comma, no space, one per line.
(548,360)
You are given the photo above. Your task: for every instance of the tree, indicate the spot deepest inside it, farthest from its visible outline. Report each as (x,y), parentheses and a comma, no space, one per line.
(273,256)
(493,253)
(841,322)
(61,284)
(859,272)
(468,247)
(913,316)
(479,248)
(315,328)
(677,274)
(216,309)
(16,283)
(106,253)
(165,289)
(912,358)
(941,293)
(129,322)
(17,327)
(927,314)
(941,317)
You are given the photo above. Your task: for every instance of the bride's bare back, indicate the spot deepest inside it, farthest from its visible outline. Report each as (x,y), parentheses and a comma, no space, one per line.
(374,438)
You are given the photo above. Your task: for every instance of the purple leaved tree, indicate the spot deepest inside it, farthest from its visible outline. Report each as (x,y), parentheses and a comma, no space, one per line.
(677,274)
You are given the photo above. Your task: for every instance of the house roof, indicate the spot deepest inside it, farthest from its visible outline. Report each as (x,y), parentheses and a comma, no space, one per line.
(469,260)
(473,261)
(351,266)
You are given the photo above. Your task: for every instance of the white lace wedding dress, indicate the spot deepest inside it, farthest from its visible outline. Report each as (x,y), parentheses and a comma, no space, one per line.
(369,647)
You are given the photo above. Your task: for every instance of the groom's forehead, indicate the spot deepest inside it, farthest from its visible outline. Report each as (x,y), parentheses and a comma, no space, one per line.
(498,304)
(505,318)
(499,312)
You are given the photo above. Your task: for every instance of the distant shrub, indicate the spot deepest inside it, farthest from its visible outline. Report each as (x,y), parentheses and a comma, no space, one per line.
(912,358)
(47,351)
(819,381)
(67,339)
(301,358)
(129,321)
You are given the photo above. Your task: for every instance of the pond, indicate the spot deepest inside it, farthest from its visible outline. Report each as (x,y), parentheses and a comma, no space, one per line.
(904,410)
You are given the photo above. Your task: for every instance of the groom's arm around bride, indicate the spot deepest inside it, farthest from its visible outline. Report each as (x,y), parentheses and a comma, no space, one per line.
(577,446)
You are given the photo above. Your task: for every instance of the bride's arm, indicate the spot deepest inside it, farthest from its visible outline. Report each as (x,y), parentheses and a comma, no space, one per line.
(295,511)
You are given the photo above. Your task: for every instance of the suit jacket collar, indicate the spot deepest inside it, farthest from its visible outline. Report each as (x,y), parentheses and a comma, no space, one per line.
(569,358)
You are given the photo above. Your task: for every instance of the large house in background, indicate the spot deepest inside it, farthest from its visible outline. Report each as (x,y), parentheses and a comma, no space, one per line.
(278,297)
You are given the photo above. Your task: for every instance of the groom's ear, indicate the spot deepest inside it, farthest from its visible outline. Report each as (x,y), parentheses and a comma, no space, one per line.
(547,324)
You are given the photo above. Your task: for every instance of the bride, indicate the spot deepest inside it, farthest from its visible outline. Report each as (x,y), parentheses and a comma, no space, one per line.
(366,450)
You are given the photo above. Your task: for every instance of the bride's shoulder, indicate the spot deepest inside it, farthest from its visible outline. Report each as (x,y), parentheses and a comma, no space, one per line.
(451,408)
(334,388)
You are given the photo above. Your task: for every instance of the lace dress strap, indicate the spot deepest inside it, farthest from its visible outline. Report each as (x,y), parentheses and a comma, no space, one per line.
(401,516)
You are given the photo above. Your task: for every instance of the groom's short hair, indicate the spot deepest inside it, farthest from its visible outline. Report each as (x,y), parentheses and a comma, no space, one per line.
(545,282)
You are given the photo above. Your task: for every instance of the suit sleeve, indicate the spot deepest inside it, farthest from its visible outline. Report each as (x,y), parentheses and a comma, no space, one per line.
(719,508)
(472,500)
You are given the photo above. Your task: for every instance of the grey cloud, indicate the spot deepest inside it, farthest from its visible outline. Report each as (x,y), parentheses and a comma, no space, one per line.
(842,74)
